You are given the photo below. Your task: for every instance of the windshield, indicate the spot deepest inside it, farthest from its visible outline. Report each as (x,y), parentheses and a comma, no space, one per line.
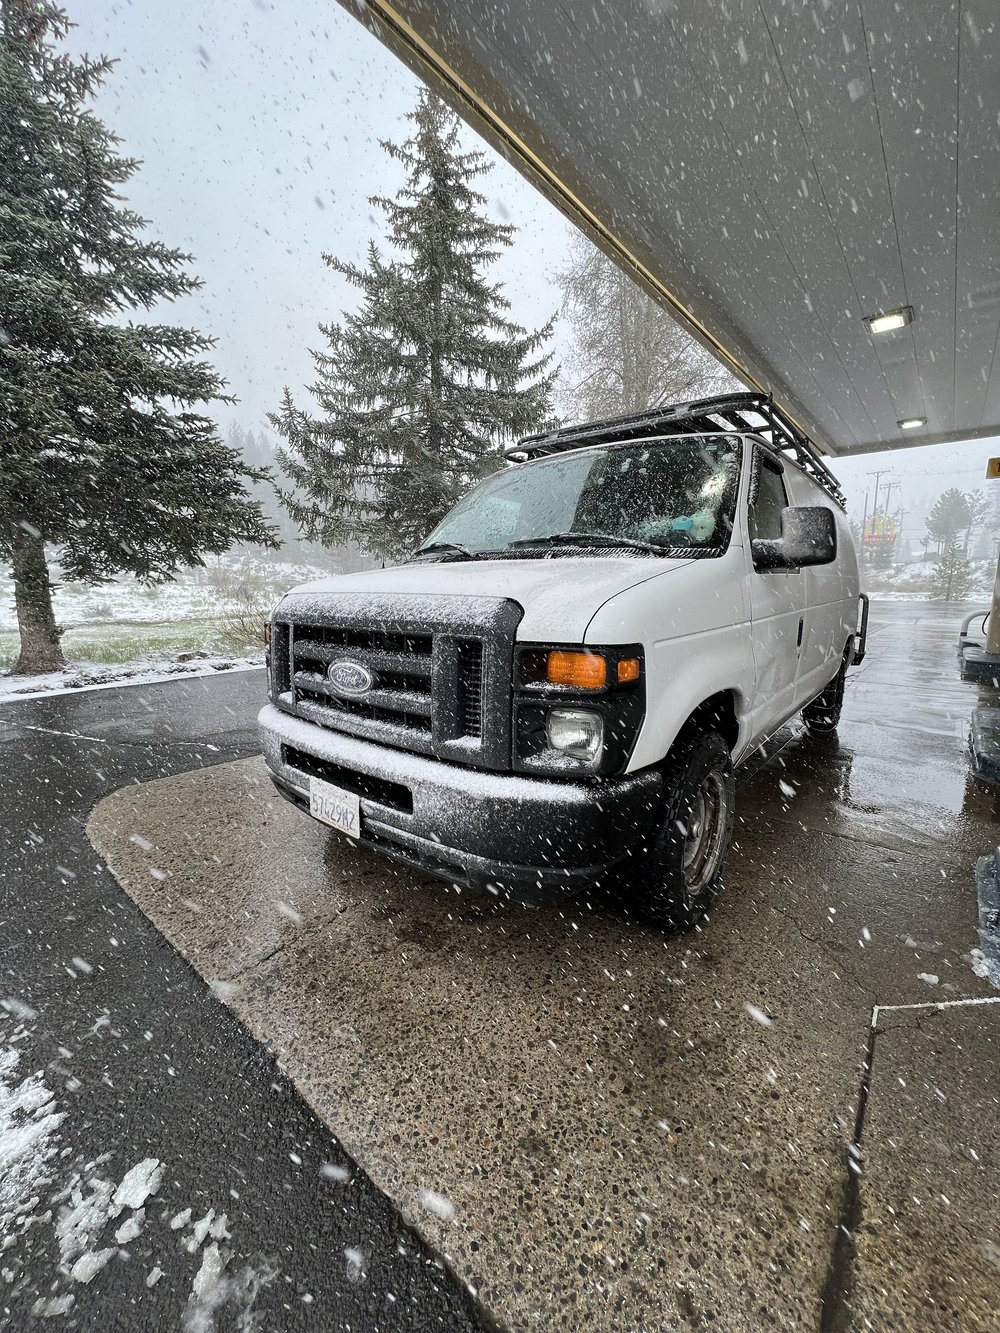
(668,496)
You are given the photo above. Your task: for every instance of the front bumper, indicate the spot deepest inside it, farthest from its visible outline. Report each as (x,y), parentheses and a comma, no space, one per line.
(541,839)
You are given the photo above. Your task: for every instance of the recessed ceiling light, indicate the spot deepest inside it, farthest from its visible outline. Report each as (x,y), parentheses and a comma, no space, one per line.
(911,423)
(889,320)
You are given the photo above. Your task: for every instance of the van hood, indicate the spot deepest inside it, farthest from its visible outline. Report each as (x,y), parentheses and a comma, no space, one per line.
(559,595)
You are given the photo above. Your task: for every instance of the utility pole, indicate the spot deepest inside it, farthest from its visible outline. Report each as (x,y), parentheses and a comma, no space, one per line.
(890,486)
(884,472)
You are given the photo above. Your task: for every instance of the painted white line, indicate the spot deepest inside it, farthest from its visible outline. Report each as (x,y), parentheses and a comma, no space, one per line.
(71,735)
(934,1004)
(117,740)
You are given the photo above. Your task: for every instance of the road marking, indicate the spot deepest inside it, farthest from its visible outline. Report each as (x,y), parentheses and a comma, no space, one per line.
(934,1004)
(51,731)
(103,740)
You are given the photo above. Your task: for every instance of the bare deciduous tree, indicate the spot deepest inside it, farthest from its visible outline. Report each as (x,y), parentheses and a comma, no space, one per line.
(626,352)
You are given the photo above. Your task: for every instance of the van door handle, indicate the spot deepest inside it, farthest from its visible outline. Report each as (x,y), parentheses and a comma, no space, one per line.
(798,641)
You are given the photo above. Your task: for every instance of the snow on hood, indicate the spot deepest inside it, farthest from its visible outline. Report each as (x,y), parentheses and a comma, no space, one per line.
(559,595)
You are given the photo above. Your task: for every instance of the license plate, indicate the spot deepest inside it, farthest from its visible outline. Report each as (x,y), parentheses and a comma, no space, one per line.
(334,806)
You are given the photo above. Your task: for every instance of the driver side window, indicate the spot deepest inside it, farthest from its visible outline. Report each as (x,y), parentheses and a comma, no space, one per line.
(772,498)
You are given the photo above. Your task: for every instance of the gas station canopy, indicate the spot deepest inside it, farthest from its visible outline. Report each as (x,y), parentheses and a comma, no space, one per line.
(776,173)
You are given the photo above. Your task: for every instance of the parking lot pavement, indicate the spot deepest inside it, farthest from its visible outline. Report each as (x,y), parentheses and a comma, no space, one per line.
(928,1203)
(158,1171)
(619,1129)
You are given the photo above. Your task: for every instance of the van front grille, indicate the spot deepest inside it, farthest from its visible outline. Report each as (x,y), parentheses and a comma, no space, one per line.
(470,686)
(400,665)
(427,674)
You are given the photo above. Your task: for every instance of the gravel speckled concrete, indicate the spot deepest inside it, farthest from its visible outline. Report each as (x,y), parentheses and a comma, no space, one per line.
(624,1145)
(617,1136)
(929,1248)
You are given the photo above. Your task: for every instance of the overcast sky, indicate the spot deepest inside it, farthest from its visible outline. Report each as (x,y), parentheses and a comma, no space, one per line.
(258,129)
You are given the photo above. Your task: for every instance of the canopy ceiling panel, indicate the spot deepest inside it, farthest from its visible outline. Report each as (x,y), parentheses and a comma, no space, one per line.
(774,172)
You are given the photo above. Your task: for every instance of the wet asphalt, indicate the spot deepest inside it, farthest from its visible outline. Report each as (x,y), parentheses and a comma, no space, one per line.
(625,1144)
(145,1062)
(769,1123)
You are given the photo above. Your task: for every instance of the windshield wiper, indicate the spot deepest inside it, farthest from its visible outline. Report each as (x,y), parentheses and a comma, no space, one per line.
(585,539)
(453,549)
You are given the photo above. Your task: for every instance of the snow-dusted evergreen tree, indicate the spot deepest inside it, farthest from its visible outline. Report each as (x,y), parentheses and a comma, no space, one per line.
(104,458)
(950,515)
(952,572)
(419,388)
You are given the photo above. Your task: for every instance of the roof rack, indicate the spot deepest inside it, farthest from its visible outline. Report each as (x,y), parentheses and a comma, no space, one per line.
(743,412)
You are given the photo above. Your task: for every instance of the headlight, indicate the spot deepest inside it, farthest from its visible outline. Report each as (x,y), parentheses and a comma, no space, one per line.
(576,732)
(576,709)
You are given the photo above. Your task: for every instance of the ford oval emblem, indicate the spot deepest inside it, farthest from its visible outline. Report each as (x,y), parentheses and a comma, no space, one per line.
(349,677)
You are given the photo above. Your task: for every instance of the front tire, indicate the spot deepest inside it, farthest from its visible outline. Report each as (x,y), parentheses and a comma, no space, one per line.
(679,872)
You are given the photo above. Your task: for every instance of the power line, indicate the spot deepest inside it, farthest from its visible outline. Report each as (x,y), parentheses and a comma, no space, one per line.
(944,472)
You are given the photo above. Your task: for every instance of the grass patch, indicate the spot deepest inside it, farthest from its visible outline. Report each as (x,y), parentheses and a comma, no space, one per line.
(113,644)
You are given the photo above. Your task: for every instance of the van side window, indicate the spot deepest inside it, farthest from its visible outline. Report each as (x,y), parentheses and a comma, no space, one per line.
(772,498)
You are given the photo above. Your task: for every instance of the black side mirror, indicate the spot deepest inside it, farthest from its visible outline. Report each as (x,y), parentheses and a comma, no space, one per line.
(808,537)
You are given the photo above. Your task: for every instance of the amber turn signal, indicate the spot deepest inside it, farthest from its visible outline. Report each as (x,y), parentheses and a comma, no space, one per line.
(267,633)
(628,669)
(587,671)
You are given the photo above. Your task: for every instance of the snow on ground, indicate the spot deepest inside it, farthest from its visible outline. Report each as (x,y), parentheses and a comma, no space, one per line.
(82,676)
(137,1185)
(196,594)
(911,582)
(28,1143)
(208,619)
(95,1218)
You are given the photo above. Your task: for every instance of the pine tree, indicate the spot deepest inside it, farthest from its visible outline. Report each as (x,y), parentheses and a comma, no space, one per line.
(952,573)
(951,514)
(103,458)
(418,388)
(882,555)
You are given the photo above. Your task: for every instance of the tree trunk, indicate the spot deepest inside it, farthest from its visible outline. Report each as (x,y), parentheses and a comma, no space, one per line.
(40,648)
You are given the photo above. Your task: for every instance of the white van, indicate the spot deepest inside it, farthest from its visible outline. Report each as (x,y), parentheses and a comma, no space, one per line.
(557,686)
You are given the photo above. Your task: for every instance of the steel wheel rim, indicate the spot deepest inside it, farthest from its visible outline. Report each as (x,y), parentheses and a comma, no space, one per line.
(705,834)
